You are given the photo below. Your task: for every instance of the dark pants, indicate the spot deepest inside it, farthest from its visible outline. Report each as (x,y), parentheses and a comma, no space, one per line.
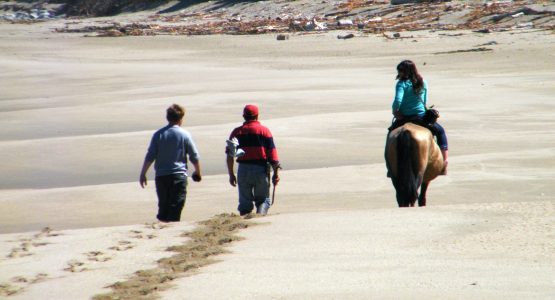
(171,191)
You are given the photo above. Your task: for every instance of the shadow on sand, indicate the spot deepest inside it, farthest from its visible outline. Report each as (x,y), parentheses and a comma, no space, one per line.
(217,5)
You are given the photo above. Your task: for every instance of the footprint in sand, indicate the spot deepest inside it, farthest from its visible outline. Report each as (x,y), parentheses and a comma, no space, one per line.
(156,225)
(39,277)
(137,234)
(98,256)
(20,251)
(7,289)
(46,232)
(27,244)
(123,246)
(19,283)
(75,266)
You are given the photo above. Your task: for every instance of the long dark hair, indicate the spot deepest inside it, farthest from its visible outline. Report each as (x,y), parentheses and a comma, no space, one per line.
(407,71)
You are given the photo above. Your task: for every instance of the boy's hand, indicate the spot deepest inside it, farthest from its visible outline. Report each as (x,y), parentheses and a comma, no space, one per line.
(232,180)
(196,176)
(275,179)
(142,180)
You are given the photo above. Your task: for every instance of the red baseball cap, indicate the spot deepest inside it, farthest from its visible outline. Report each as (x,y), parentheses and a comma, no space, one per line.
(250,110)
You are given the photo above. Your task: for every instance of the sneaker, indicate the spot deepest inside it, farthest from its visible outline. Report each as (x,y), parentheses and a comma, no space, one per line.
(262,209)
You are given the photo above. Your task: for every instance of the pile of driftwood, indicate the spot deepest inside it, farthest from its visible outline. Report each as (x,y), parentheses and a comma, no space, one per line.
(489,16)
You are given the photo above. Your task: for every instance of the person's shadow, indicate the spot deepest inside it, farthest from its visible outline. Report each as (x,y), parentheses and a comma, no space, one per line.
(187,3)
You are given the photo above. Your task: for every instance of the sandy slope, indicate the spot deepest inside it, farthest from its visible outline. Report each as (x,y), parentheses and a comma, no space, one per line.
(488,251)
(77,264)
(77,113)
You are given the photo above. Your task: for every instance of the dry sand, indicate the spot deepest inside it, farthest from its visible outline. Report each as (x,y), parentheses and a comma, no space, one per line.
(77,114)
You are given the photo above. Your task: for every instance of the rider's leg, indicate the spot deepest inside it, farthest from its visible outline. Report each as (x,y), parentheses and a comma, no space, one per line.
(442,142)
(445,162)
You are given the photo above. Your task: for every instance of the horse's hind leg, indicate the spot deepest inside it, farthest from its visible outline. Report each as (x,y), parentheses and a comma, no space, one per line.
(422,196)
(413,200)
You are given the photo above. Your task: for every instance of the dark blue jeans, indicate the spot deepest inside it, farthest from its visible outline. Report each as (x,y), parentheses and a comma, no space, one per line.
(441,136)
(171,191)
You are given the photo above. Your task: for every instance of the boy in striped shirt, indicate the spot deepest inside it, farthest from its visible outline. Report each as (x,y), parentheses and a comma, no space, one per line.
(253,172)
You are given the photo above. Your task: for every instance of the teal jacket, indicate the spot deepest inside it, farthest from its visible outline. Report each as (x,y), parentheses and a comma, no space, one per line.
(407,102)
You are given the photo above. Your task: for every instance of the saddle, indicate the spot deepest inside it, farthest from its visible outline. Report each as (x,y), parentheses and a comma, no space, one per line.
(415,120)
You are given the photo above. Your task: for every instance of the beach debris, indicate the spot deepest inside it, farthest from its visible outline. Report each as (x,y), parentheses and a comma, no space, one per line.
(397,2)
(526,25)
(345,22)
(453,34)
(346,36)
(111,33)
(481,49)
(29,11)
(490,43)
(282,37)
(374,17)
(484,30)
(32,15)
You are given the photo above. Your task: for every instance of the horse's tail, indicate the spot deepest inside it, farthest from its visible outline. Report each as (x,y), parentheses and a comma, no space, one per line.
(407,180)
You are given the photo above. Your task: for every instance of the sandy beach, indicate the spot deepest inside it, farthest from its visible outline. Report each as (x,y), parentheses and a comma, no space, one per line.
(77,114)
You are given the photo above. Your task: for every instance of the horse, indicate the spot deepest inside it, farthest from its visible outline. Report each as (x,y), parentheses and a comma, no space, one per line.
(413,159)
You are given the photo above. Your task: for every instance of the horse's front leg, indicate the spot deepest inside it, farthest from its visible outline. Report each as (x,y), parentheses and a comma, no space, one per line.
(422,196)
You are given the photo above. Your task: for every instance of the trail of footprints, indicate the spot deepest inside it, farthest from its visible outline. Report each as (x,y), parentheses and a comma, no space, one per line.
(25,248)
(26,245)
(120,246)
(19,283)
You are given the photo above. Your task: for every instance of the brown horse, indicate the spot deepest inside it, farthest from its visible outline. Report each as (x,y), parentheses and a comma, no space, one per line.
(413,160)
